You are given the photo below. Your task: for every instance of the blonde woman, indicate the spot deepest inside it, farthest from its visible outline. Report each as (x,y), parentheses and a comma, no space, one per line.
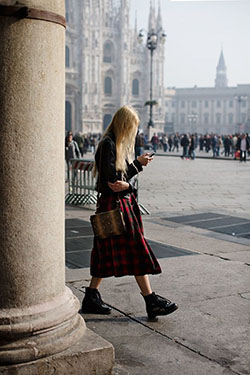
(128,254)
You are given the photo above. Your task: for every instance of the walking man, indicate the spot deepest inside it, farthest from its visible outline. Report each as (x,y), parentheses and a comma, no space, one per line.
(243,145)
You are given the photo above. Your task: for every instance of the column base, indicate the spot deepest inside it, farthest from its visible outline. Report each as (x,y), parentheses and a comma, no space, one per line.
(92,355)
(30,333)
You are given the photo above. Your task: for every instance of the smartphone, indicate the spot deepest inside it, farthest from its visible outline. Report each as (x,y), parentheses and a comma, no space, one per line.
(152,154)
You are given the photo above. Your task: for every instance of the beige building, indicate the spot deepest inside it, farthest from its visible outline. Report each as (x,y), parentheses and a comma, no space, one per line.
(106,67)
(220,109)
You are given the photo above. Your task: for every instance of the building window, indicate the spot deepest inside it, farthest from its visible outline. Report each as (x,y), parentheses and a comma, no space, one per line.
(68,116)
(243,118)
(67,17)
(182,118)
(67,57)
(194,104)
(206,103)
(230,118)
(182,104)
(218,118)
(106,121)
(135,87)
(218,103)
(108,86)
(166,103)
(206,118)
(173,104)
(244,103)
(173,118)
(231,104)
(67,10)
(107,52)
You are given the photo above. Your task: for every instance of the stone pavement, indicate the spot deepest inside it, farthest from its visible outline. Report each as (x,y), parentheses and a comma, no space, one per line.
(209,333)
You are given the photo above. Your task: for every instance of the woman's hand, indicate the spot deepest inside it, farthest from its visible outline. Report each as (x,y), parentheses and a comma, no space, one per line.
(144,159)
(118,186)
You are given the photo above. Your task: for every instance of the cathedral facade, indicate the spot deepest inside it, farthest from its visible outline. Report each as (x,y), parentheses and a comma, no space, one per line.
(220,109)
(106,66)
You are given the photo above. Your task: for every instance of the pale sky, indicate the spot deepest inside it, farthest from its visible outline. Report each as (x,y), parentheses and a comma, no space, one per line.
(196,30)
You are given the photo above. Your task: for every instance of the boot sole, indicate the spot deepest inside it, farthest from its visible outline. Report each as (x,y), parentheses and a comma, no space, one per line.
(94,312)
(153,318)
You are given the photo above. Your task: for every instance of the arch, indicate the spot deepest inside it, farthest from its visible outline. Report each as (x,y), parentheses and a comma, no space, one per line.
(68,116)
(106,120)
(135,87)
(108,86)
(67,57)
(108,52)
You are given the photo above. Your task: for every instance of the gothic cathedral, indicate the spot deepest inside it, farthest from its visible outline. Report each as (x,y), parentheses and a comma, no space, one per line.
(106,67)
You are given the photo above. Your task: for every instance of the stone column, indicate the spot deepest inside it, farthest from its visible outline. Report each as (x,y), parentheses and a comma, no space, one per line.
(38,314)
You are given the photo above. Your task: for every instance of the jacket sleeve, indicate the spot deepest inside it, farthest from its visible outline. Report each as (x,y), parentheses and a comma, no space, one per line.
(106,162)
(133,168)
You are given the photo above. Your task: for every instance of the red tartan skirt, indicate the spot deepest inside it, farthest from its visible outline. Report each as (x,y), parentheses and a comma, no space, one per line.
(128,254)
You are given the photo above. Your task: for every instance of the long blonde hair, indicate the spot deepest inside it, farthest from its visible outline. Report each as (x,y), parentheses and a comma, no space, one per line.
(124,125)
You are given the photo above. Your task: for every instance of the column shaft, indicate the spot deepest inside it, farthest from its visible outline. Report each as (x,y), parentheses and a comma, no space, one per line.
(38,315)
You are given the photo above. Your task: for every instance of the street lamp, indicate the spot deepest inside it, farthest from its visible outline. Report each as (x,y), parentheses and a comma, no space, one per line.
(152,42)
(240,99)
(192,119)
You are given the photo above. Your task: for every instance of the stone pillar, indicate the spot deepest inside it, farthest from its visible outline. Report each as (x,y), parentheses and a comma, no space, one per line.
(38,314)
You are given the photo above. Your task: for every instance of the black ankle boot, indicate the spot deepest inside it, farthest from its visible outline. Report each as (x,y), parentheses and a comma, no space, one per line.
(93,303)
(157,305)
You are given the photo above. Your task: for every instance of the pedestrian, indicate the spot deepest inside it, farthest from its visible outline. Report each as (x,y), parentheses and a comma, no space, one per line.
(184,145)
(176,143)
(191,151)
(79,139)
(71,151)
(154,142)
(214,140)
(219,145)
(234,145)
(227,145)
(207,143)
(248,140)
(139,144)
(170,142)
(164,140)
(201,142)
(243,146)
(128,254)
(92,144)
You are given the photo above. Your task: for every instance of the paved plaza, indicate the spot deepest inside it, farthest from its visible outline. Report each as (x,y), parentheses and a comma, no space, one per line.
(200,227)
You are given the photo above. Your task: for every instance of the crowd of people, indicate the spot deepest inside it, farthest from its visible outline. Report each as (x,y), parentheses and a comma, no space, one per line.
(235,145)
(230,145)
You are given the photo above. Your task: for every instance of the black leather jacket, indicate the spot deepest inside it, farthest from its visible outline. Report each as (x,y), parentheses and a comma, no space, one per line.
(105,162)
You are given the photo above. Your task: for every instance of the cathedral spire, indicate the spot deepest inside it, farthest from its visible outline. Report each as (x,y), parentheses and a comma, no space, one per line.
(159,18)
(136,22)
(221,72)
(151,17)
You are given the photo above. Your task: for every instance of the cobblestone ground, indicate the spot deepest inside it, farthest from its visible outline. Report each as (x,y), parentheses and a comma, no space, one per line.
(173,185)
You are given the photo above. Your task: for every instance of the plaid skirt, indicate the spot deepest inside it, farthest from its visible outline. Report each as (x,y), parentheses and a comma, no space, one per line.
(128,254)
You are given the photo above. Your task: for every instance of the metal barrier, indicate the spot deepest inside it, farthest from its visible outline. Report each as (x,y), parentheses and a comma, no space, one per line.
(143,209)
(82,185)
